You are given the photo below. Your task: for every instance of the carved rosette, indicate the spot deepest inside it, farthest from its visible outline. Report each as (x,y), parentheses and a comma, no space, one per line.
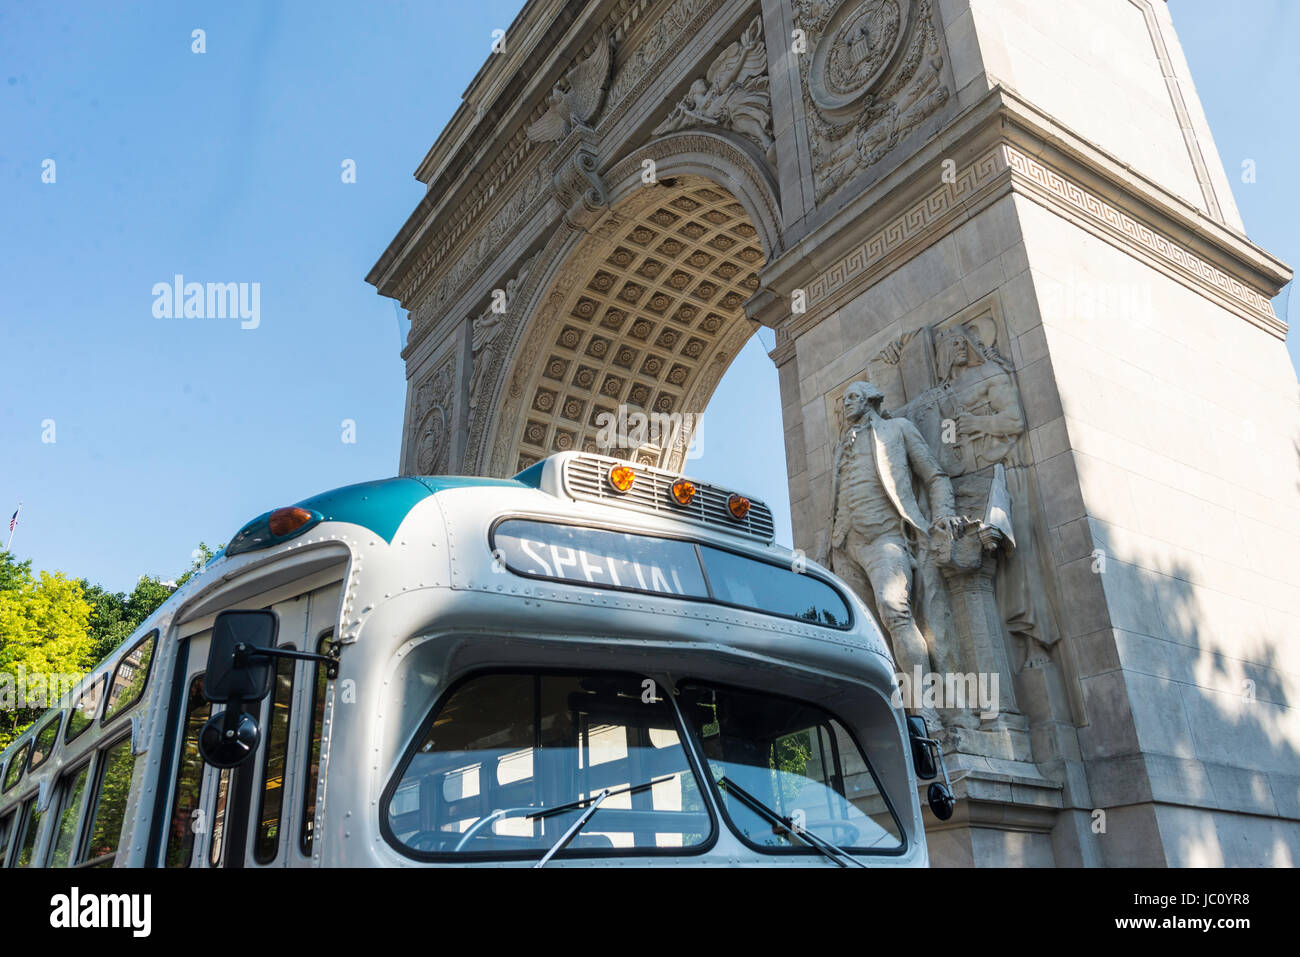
(874,75)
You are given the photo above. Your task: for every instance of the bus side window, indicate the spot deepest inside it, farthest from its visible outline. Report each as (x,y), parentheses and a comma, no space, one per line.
(82,714)
(266,844)
(17,764)
(219,812)
(189,779)
(113,782)
(29,829)
(129,678)
(71,800)
(319,686)
(44,741)
(6,830)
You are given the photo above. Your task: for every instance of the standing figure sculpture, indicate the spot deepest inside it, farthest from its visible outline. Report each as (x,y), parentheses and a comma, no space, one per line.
(979,396)
(875,515)
(486,328)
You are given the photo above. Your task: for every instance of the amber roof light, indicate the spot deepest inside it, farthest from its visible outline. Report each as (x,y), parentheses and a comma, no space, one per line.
(621,478)
(284,521)
(683,491)
(738,505)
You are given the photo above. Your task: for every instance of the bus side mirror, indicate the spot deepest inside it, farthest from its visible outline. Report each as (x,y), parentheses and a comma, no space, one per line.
(232,671)
(925,752)
(236,674)
(922,757)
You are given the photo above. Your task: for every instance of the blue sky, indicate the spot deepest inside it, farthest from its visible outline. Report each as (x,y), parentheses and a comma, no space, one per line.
(225,167)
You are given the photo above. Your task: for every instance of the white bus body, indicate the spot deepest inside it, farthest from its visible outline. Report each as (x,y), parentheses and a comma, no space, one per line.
(419,583)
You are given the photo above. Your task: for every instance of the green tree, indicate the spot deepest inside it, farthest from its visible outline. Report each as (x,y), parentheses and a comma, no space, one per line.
(55,627)
(115,615)
(13,573)
(44,643)
(109,621)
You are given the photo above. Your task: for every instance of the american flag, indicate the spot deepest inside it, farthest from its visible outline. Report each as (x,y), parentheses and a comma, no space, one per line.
(14,521)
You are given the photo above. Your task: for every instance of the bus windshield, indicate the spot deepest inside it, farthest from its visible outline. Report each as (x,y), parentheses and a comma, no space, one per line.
(797,760)
(509,762)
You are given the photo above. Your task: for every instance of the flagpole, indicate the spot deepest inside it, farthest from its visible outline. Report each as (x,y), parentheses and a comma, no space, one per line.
(13,524)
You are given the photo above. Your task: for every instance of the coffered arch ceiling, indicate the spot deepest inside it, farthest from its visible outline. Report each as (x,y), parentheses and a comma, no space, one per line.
(654,318)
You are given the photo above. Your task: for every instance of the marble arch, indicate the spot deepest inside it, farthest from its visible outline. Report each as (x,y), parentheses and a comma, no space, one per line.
(916,194)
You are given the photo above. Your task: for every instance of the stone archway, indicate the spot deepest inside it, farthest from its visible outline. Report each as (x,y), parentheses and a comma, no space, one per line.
(631,185)
(643,316)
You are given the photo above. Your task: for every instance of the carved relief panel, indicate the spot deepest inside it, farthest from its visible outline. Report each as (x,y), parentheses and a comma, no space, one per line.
(432,420)
(874,73)
(732,95)
(992,579)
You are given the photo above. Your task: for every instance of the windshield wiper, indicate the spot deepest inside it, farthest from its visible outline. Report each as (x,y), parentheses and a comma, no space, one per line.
(485,821)
(786,825)
(574,828)
(593,803)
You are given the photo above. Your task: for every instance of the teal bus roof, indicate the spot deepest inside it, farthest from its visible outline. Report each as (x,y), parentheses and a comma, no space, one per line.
(382,505)
(379,506)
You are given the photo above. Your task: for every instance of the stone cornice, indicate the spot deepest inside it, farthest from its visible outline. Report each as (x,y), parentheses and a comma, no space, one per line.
(477,159)
(1003,145)
(481,149)
(428,271)
(526,52)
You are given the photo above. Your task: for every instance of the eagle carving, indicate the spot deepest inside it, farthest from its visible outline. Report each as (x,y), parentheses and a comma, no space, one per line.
(577,98)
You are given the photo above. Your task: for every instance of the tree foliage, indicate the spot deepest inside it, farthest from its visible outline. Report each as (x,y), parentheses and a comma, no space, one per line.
(44,642)
(57,628)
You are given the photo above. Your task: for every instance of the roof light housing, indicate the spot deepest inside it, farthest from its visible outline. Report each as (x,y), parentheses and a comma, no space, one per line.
(272,528)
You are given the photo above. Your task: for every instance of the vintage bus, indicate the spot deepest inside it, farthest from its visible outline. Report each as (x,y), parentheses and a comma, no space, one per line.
(592,663)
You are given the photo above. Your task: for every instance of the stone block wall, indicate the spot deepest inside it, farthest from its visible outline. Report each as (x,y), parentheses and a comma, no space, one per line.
(1181,431)
(1110,70)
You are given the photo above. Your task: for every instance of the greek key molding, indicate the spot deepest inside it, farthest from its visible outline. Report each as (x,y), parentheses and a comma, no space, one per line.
(1140,234)
(1030,175)
(915,222)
